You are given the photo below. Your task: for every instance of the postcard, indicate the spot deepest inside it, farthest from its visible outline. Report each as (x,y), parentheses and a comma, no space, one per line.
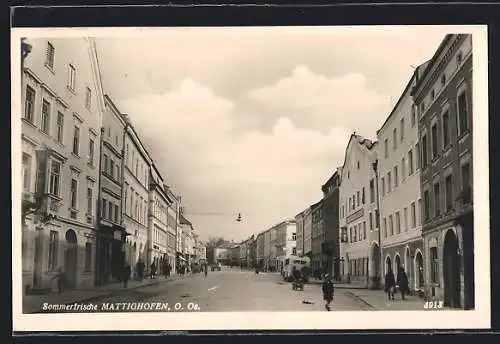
(250,178)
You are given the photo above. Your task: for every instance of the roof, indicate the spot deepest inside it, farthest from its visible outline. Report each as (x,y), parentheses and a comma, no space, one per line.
(184,221)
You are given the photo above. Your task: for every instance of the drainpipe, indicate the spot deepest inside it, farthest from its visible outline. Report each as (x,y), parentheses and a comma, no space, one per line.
(98,256)
(378,223)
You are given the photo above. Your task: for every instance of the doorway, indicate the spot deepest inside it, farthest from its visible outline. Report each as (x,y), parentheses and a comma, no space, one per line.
(419,271)
(71,259)
(397,264)
(451,270)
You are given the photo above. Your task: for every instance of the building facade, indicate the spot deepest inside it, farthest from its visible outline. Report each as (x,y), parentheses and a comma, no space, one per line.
(159,203)
(110,256)
(360,248)
(318,259)
(307,233)
(136,166)
(400,190)
(299,220)
(331,224)
(259,250)
(443,97)
(63,106)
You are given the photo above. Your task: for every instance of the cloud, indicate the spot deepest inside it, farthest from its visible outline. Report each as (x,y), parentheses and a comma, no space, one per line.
(322,101)
(266,176)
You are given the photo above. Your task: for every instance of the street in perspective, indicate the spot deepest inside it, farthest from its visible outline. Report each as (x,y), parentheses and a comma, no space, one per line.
(279,175)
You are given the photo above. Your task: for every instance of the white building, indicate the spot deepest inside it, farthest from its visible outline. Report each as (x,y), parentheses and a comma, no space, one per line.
(63,105)
(359,248)
(159,204)
(136,167)
(400,189)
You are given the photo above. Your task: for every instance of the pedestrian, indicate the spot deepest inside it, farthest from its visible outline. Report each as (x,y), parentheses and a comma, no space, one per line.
(327,288)
(61,280)
(402,282)
(390,284)
(153,270)
(126,274)
(205,269)
(140,269)
(169,269)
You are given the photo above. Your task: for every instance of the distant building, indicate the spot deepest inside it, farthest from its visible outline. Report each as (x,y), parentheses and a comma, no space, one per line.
(299,220)
(318,259)
(331,224)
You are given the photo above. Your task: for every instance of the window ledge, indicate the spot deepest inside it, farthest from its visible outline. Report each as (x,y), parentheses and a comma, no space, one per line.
(463,136)
(75,155)
(51,69)
(60,144)
(28,122)
(72,91)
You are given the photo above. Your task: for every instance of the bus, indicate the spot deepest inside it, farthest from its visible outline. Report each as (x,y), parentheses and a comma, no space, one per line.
(301,263)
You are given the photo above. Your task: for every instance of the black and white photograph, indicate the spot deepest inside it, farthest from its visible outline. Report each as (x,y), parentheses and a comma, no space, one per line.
(250,177)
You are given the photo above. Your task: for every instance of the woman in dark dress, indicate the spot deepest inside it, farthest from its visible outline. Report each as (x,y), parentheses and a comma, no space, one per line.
(390,284)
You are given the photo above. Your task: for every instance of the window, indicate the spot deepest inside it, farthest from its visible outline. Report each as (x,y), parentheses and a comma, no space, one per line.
(422,108)
(386,148)
(405,214)
(112,168)
(29,106)
(110,211)
(385,227)
(410,162)
(294,236)
(426,205)
(466,183)
(353,202)
(394,139)
(396,177)
(434,264)
(363,195)
(417,160)
(389,182)
(383,186)
(358,165)
(402,129)
(55,174)
(420,210)
(391,225)
(350,205)
(398,223)
(88,98)
(91,151)
(434,139)
(72,77)
(403,168)
(60,127)
(443,79)
(26,171)
(350,234)
(294,251)
(446,129)
(104,208)
(463,118)
(358,198)
(436,200)
(424,151)
(49,55)
(76,140)
(413,215)
(88,256)
(89,201)
(372,191)
(45,120)
(448,193)
(370,216)
(53,250)
(364,230)
(413,116)
(74,193)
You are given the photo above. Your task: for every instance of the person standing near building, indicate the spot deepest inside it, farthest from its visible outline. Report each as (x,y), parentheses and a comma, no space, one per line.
(61,281)
(126,274)
(390,284)
(140,269)
(402,282)
(153,270)
(327,289)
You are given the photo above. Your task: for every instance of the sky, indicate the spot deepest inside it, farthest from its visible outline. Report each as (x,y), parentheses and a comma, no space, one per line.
(255,120)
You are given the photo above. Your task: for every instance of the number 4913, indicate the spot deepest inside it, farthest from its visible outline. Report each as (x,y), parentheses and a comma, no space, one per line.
(433,304)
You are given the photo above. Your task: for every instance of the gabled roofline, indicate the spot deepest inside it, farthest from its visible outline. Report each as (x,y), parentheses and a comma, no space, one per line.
(114,109)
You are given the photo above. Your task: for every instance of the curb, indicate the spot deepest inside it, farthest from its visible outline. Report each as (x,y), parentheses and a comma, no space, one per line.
(361,299)
(110,293)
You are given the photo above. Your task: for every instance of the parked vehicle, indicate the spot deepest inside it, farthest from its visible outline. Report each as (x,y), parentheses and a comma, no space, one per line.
(303,264)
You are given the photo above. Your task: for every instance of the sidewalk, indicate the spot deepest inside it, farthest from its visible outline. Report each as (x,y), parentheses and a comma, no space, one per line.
(33,303)
(338,285)
(377,300)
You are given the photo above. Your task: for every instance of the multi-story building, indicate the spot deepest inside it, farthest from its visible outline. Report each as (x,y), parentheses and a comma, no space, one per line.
(222,255)
(318,259)
(307,233)
(259,250)
(135,173)
(159,203)
(111,237)
(173,228)
(400,189)
(187,242)
(267,250)
(235,255)
(359,214)
(299,220)
(443,97)
(331,224)
(63,106)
